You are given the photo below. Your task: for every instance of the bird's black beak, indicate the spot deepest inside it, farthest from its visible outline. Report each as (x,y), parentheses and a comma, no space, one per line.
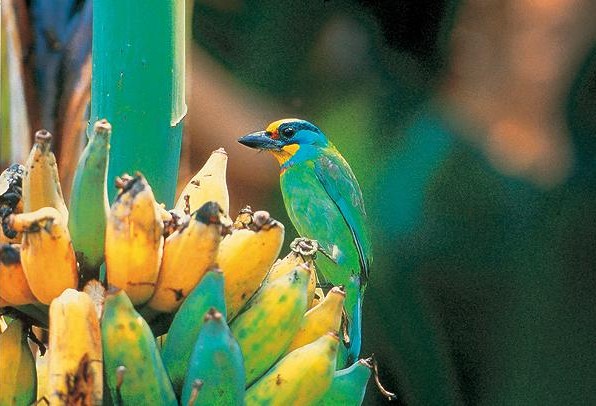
(260,140)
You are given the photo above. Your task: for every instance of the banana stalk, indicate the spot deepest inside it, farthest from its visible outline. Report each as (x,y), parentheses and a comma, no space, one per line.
(301,378)
(75,365)
(89,205)
(216,361)
(47,255)
(133,367)
(187,324)
(17,366)
(134,240)
(13,283)
(188,253)
(272,317)
(41,184)
(245,257)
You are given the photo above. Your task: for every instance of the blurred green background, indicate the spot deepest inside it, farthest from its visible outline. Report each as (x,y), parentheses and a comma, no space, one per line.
(471,127)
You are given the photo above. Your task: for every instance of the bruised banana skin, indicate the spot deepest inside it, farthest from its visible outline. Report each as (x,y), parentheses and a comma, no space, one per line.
(13,283)
(76,352)
(134,240)
(301,378)
(18,379)
(302,251)
(89,205)
(47,255)
(188,253)
(133,367)
(209,184)
(41,184)
(187,324)
(349,385)
(217,362)
(272,317)
(324,317)
(245,257)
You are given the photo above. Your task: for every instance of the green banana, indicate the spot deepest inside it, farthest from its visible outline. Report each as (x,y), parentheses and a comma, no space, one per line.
(272,317)
(187,323)
(217,362)
(18,379)
(300,378)
(89,205)
(133,367)
(349,385)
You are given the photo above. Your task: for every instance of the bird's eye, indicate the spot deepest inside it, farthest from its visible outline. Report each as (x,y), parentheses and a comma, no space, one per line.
(288,132)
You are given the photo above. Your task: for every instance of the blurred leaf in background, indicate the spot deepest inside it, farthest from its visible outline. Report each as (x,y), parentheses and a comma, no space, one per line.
(471,128)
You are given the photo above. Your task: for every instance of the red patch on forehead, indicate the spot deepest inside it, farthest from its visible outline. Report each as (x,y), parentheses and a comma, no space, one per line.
(275,134)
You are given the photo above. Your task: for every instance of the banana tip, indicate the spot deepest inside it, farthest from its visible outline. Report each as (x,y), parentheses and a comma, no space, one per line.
(102,126)
(43,136)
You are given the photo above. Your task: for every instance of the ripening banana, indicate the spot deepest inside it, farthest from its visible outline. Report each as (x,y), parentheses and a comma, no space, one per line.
(300,378)
(245,257)
(187,255)
(41,184)
(47,255)
(267,325)
(187,323)
(89,205)
(134,240)
(216,361)
(209,184)
(13,283)
(11,193)
(302,251)
(324,317)
(133,367)
(75,365)
(17,367)
(42,365)
(349,385)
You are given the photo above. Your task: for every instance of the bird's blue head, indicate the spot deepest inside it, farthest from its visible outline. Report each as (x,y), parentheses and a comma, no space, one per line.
(286,138)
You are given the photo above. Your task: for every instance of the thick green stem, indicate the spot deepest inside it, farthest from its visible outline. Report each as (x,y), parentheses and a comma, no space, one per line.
(138,85)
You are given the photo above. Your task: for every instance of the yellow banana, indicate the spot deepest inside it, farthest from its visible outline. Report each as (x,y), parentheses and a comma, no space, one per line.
(41,366)
(245,256)
(209,184)
(17,367)
(41,184)
(324,317)
(188,253)
(300,378)
(13,283)
(302,251)
(47,255)
(272,317)
(134,239)
(75,372)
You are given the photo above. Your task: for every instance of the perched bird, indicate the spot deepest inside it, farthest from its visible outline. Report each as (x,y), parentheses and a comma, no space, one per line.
(324,202)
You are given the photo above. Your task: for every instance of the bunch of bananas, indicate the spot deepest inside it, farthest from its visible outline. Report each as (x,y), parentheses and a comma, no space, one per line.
(234,324)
